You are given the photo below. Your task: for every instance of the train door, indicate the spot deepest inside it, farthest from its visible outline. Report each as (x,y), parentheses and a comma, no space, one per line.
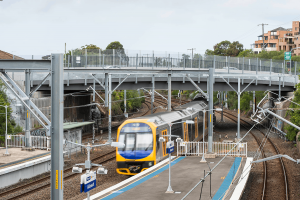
(185,132)
(196,127)
(164,144)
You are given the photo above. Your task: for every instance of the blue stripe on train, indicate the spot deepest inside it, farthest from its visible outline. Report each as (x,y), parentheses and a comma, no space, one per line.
(139,154)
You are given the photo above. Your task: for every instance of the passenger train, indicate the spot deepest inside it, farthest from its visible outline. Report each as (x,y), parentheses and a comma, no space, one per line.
(141,135)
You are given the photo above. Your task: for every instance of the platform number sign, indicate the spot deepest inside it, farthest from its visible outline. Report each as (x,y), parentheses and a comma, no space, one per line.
(287,55)
(170,147)
(88,181)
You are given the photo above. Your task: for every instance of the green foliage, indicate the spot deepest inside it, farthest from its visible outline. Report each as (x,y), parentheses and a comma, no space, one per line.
(294,116)
(11,124)
(226,48)
(246,97)
(115,45)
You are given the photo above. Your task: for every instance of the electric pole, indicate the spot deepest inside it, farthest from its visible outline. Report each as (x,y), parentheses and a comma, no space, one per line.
(192,49)
(262,25)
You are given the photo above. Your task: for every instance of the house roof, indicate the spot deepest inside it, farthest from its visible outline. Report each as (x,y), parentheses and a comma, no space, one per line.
(8,56)
(279,29)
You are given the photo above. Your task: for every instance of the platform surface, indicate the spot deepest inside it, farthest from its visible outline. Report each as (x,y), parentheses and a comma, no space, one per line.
(17,156)
(186,172)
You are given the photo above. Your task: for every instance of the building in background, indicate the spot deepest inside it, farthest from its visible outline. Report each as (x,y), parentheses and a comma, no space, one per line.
(279,39)
(8,56)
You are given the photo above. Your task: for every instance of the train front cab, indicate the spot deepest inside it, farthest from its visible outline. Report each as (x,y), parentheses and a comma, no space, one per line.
(139,137)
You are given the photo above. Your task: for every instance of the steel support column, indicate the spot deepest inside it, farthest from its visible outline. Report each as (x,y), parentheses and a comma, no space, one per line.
(239,104)
(169,92)
(106,90)
(27,120)
(222,97)
(124,101)
(210,109)
(253,104)
(279,92)
(57,114)
(152,93)
(94,86)
(109,110)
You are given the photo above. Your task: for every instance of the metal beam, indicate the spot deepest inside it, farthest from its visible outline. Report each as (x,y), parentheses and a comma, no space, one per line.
(57,118)
(275,157)
(229,85)
(27,119)
(169,92)
(109,110)
(239,105)
(121,82)
(22,101)
(210,109)
(39,85)
(25,97)
(12,65)
(106,90)
(197,87)
(281,118)
(247,86)
(97,81)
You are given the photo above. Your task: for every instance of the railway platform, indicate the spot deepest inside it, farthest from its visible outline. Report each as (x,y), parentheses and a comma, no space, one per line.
(186,172)
(22,165)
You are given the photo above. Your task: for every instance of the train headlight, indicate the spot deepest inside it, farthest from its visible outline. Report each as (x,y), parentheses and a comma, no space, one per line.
(150,164)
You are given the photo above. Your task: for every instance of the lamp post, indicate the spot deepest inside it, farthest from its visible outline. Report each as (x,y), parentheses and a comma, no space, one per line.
(203,111)
(169,190)
(6,151)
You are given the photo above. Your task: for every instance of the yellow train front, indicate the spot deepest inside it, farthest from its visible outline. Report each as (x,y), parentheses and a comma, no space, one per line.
(141,136)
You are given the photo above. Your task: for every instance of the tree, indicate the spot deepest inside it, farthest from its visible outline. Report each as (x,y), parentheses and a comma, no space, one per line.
(91,49)
(294,116)
(226,48)
(11,124)
(115,45)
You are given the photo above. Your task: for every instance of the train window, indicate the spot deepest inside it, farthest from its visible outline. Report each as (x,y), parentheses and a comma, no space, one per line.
(164,144)
(130,142)
(144,141)
(185,132)
(196,127)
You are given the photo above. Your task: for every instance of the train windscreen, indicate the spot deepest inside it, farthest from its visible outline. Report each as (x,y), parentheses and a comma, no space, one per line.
(136,136)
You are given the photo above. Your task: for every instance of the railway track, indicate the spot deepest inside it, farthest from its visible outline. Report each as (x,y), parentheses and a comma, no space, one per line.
(271,180)
(42,182)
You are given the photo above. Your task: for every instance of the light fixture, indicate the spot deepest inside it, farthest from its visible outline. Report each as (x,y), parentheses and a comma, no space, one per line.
(118,144)
(179,140)
(161,139)
(101,170)
(189,122)
(218,109)
(77,170)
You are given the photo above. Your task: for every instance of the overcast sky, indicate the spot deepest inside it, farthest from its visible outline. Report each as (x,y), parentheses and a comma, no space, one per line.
(42,27)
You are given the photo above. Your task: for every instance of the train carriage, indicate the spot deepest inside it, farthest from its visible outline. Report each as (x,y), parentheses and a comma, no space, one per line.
(141,136)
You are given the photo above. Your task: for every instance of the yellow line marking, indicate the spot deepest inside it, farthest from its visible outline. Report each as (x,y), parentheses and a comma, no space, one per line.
(223,177)
(210,117)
